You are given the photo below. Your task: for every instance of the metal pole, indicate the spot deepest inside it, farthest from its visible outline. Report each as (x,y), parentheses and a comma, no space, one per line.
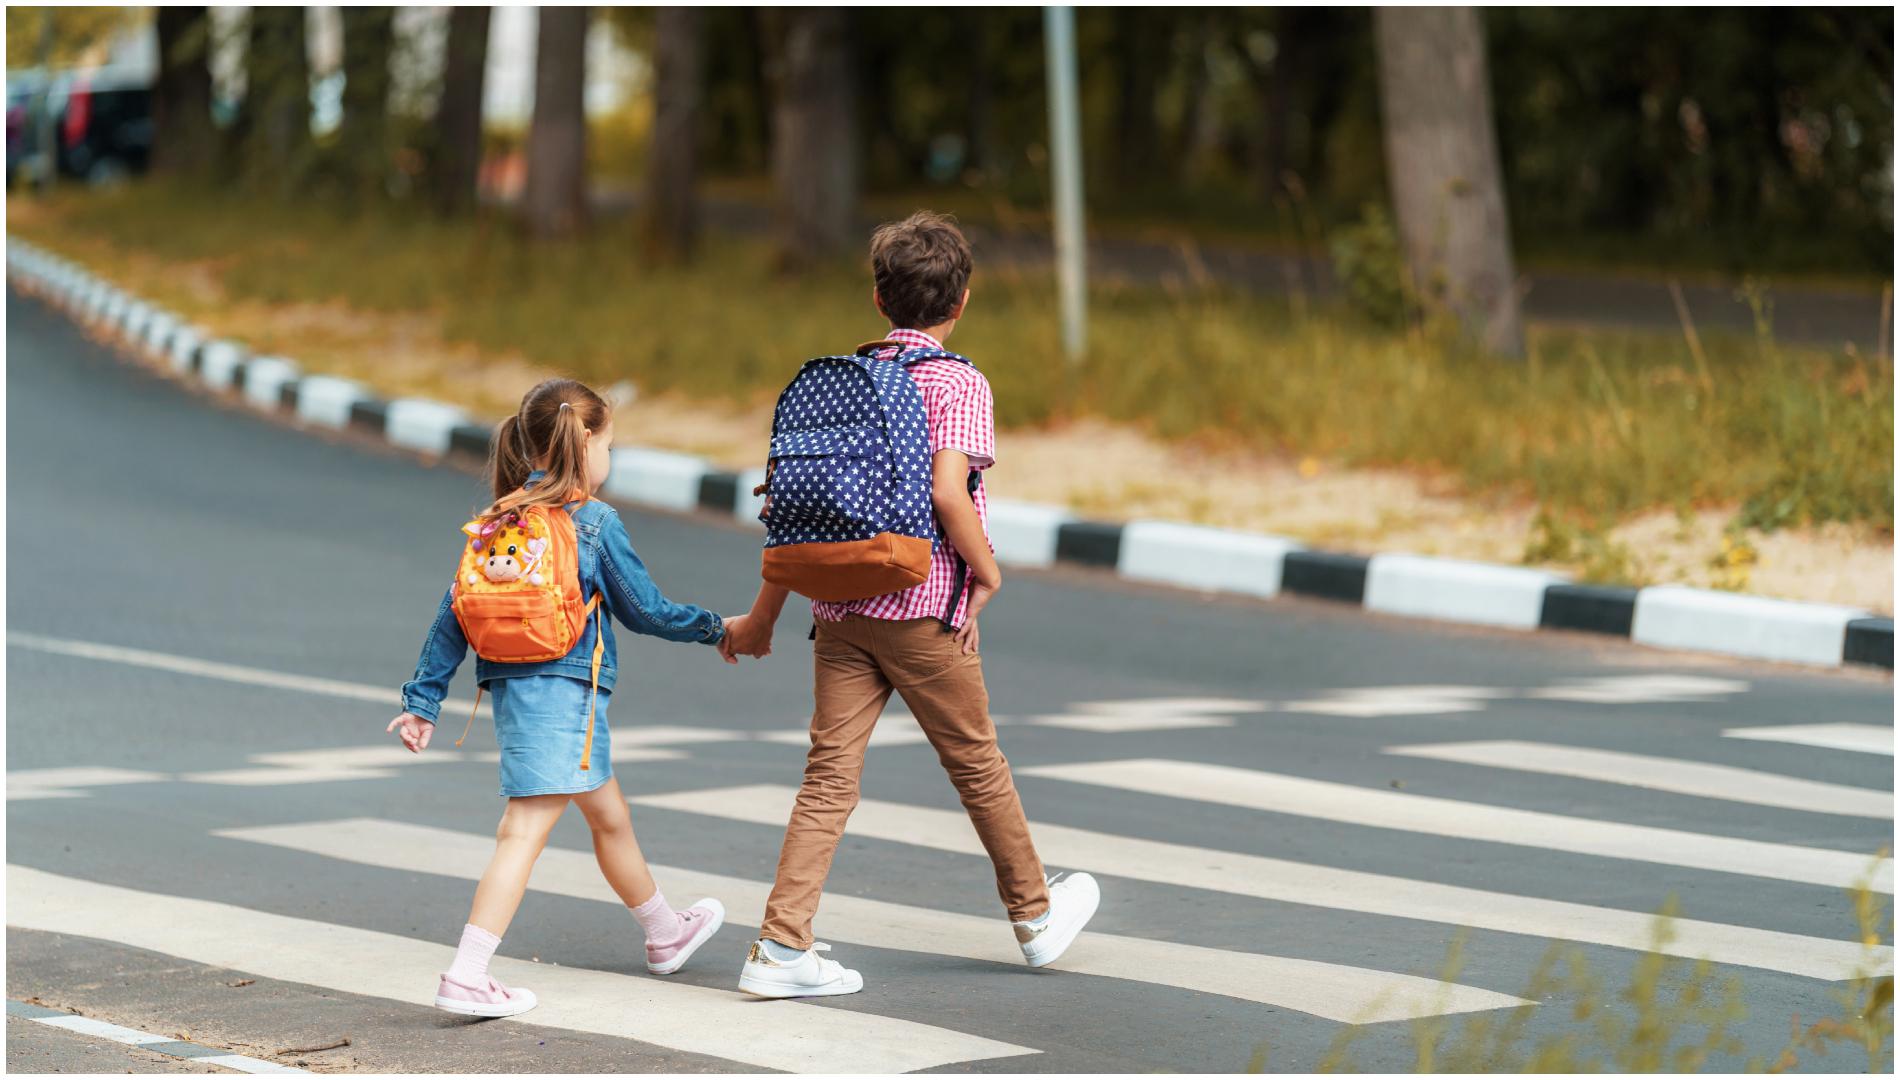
(1065,155)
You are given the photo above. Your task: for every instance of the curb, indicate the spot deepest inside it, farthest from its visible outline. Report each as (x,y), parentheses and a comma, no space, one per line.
(1027,534)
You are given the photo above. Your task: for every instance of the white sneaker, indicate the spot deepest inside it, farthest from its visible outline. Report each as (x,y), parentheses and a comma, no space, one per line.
(1072,903)
(810,975)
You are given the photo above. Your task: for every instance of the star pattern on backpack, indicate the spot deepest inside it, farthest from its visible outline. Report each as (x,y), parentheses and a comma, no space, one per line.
(850,455)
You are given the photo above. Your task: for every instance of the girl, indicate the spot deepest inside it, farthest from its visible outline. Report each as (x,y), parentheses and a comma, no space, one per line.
(554,452)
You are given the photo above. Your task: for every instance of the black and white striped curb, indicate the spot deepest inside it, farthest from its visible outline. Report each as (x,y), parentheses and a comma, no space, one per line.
(157,1044)
(1029,534)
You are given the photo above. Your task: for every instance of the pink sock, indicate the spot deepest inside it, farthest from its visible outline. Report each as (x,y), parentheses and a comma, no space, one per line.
(471,956)
(658,919)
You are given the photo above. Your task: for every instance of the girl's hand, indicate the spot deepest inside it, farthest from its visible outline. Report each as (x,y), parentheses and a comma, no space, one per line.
(415,731)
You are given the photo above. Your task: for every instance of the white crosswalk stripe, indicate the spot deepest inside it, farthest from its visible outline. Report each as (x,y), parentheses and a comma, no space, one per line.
(1674,775)
(1274,793)
(1334,991)
(65,782)
(1319,886)
(1859,738)
(795,1037)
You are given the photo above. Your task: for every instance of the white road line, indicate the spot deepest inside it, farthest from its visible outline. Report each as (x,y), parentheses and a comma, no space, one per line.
(1333,991)
(210,669)
(1860,738)
(86,1025)
(62,783)
(1325,800)
(1319,886)
(693,1019)
(1370,701)
(1675,775)
(1640,689)
(1149,714)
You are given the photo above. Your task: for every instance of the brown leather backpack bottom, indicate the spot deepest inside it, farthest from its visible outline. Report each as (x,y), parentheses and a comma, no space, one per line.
(851,570)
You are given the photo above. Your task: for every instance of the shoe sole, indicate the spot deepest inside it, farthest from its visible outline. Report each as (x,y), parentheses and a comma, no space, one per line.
(718,920)
(487,1012)
(850,984)
(1058,946)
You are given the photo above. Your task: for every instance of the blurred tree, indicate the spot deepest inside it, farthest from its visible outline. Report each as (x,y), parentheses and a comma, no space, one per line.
(74,35)
(671,214)
(1141,56)
(184,139)
(276,116)
(814,131)
(362,147)
(555,201)
(455,167)
(1442,167)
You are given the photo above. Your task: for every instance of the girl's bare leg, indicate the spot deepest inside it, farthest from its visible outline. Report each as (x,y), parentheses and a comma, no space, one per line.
(518,842)
(614,846)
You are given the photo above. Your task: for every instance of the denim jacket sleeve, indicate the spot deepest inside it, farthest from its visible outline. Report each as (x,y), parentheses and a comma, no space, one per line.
(442,653)
(637,603)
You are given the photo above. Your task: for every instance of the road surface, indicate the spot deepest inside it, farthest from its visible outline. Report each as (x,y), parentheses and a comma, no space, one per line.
(1292,808)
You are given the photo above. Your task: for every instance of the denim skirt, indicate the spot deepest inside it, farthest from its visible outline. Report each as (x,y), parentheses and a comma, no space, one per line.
(540,726)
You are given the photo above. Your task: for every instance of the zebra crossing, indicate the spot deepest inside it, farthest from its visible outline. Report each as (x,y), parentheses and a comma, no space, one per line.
(1070,766)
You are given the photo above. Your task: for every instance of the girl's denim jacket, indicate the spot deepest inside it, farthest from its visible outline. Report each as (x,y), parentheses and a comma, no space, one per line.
(607,566)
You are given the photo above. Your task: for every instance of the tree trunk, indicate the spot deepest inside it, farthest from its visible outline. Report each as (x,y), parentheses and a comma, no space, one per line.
(181,97)
(277,98)
(458,116)
(814,133)
(672,164)
(1442,167)
(1141,43)
(556,198)
(369,35)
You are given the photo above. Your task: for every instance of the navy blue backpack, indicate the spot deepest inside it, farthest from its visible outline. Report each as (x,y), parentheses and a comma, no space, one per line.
(847,493)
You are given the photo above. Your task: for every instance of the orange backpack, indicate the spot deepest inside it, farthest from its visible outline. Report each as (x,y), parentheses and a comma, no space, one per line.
(518,596)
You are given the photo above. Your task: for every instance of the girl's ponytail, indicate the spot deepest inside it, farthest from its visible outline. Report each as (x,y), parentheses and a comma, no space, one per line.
(549,432)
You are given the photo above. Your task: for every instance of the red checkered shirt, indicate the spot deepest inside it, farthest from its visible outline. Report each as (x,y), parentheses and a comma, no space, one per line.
(961,415)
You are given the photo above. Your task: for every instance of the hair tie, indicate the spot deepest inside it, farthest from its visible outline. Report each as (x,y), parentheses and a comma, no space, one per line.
(565,405)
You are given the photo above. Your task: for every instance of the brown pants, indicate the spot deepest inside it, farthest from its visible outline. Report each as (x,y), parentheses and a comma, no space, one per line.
(859,661)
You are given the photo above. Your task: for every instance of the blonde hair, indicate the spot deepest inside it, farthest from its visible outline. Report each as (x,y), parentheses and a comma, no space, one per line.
(552,426)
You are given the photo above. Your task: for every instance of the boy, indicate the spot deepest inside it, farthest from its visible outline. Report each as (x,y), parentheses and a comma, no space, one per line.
(865,649)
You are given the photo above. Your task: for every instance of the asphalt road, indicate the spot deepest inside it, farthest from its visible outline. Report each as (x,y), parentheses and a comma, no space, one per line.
(210,836)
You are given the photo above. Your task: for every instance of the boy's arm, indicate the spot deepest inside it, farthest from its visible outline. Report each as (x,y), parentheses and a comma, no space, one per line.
(956,513)
(442,653)
(751,633)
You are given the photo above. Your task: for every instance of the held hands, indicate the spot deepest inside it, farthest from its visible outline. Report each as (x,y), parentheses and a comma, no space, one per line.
(415,731)
(746,635)
(981,593)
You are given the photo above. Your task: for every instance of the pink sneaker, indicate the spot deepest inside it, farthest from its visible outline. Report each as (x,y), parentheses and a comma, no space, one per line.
(493,999)
(697,924)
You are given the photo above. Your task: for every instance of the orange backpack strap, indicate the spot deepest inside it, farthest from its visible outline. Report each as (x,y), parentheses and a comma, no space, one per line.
(593,700)
(471,716)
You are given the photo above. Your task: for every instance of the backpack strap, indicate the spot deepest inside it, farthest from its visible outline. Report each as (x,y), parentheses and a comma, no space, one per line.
(911,354)
(594,608)
(963,568)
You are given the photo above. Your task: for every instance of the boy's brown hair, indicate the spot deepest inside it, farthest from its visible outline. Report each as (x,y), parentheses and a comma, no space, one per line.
(920,266)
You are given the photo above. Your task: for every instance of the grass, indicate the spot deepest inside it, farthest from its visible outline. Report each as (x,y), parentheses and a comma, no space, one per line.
(1594,426)
(1672,1015)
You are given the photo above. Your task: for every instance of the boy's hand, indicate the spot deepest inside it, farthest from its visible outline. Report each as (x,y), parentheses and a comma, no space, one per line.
(415,731)
(747,635)
(981,593)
